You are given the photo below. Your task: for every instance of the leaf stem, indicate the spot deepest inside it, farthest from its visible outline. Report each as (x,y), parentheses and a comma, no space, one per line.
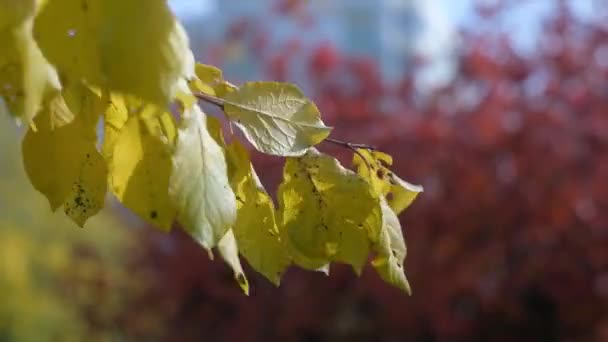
(350,145)
(211,99)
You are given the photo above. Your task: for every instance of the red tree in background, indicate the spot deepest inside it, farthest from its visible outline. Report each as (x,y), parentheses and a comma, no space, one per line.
(508,242)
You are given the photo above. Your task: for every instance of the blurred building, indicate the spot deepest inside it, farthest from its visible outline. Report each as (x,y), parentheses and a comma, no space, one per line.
(394,33)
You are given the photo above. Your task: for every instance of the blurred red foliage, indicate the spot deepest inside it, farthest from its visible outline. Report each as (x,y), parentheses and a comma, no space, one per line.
(509,242)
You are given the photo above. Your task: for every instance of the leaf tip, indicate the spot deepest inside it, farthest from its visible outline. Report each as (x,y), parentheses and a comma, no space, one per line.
(243,283)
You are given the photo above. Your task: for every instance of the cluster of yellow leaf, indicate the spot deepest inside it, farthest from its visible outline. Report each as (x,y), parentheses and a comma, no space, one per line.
(68,65)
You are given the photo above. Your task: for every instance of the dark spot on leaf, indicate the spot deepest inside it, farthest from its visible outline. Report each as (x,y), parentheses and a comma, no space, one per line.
(153,214)
(389,196)
(241,279)
(383,163)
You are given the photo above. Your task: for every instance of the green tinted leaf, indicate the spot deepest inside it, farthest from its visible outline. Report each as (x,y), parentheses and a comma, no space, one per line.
(199,187)
(276,118)
(327,211)
(256,231)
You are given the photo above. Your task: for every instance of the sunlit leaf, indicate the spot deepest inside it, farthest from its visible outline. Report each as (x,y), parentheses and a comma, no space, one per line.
(68,31)
(391,250)
(139,172)
(115,117)
(144,49)
(135,47)
(13,12)
(276,118)
(229,251)
(199,186)
(326,210)
(209,80)
(255,229)
(375,169)
(26,77)
(63,162)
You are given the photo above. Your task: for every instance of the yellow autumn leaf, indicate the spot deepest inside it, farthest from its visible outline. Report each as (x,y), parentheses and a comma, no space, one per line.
(135,47)
(229,251)
(255,229)
(139,171)
(327,211)
(199,186)
(144,49)
(63,162)
(207,78)
(115,117)
(276,118)
(71,43)
(395,195)
(13,12)
(27,78)
(374,168)
(391,250)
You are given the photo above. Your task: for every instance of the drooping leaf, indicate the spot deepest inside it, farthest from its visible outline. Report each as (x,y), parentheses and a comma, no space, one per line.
(208,80)
(27,78)
(139,171)
(63,163)
(136,47)
(391,250)
(115,118)
(13,13)
(68,31)
(375,169)
(327,211)
(144,49)
(229,250)
(60,113)
(276,118)
(199,186)
(255,229)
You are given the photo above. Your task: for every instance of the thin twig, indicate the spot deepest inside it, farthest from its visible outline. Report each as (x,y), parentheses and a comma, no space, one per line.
(350,145)
(355,148)
(211,99)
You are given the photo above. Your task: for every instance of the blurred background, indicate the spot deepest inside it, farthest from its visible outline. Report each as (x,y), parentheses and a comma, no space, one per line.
(498,108)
